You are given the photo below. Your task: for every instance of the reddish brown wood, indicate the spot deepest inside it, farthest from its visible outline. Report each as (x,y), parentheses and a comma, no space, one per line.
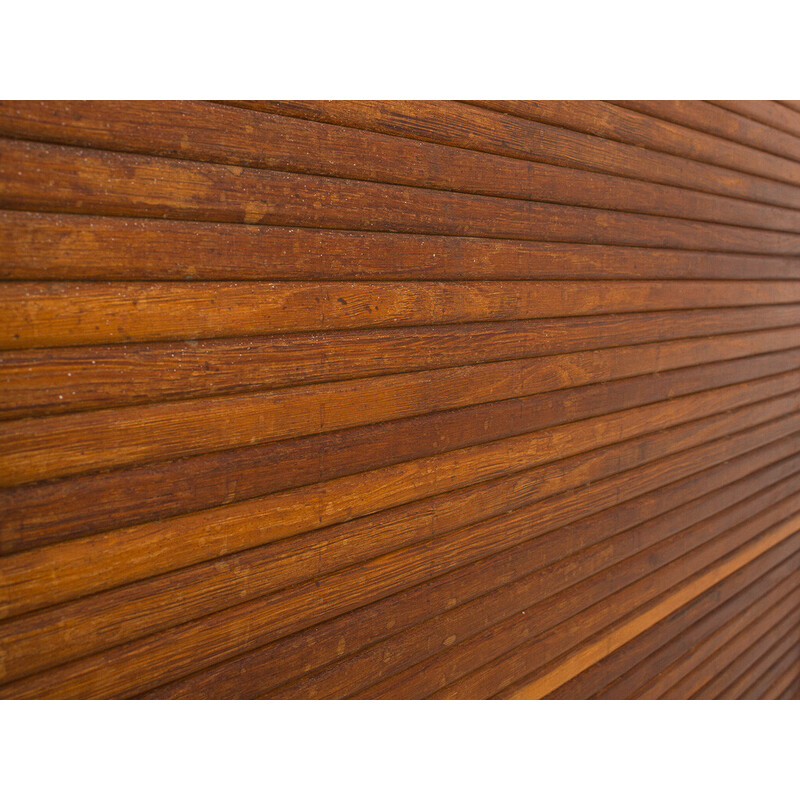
(305,399)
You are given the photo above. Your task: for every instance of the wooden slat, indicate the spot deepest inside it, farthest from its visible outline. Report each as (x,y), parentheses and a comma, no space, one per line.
(786,680)
(137,664)
(631,127)
(60,314)
(130,554)
(40,246)
(465,672)
(783,639)
(766,111)
(66,508)
(470,619)
(115,617)
(713,119)
(240,137)
(664,653)
(262,668)
(475,128)
(103,182)
(791,691)
(686,591)
(57,380)
(399,399)
(707,653)
(32,450)
(719,629)
(721,668)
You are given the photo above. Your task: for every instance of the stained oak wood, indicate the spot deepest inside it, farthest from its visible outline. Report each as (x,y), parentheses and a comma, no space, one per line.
(55,380)
(399,399)
(461,623)
(628,125)
(343,636)
(722,668)
(98,501)
(703,116)
(60,445)
(569,664)
(244,138)
(103,182)
(770,113)
(41,246)
(51,314)
(203,589)
(652,662)
(488,131)
(136,552)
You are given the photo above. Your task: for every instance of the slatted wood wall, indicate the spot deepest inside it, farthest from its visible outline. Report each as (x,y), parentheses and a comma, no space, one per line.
(400,399)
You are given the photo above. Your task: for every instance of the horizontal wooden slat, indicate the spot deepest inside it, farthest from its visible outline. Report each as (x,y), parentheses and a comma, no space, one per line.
(791,692)
(766,111)
(561,620)
(787,681)
(475,128)
(759,660)
(664,653)
(773,666)
(707,637)
(40,246)
(103,182)
(57,380)
(209,587)
(262,668)
(67,314)
(399,399)
(40,449)
(687,590)
(177,640)
(128,554)
(713,119)
(709,677)
(77,506)
(461,623)
(241,137)
(758,689)
(631,127)
(705,653)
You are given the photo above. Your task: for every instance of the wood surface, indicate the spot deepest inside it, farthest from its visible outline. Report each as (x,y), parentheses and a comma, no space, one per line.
(400,399)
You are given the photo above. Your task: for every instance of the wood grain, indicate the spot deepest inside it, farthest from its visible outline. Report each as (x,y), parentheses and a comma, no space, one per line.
(488,131)
(241,137)
(648,664)
(104,182)
(39,381)
(770,113)
(627,125)
(399,399)
(657,610)
(703,116)
(347,635)
(71,247)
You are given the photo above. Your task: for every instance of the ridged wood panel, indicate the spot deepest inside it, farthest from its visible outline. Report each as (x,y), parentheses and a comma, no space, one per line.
(368,399)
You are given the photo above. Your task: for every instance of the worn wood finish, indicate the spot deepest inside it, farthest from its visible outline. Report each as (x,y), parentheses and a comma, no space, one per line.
(367,399)
(54,380)
(626,125)
(241,137)
(773,114)
(704,116)
(486,130)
